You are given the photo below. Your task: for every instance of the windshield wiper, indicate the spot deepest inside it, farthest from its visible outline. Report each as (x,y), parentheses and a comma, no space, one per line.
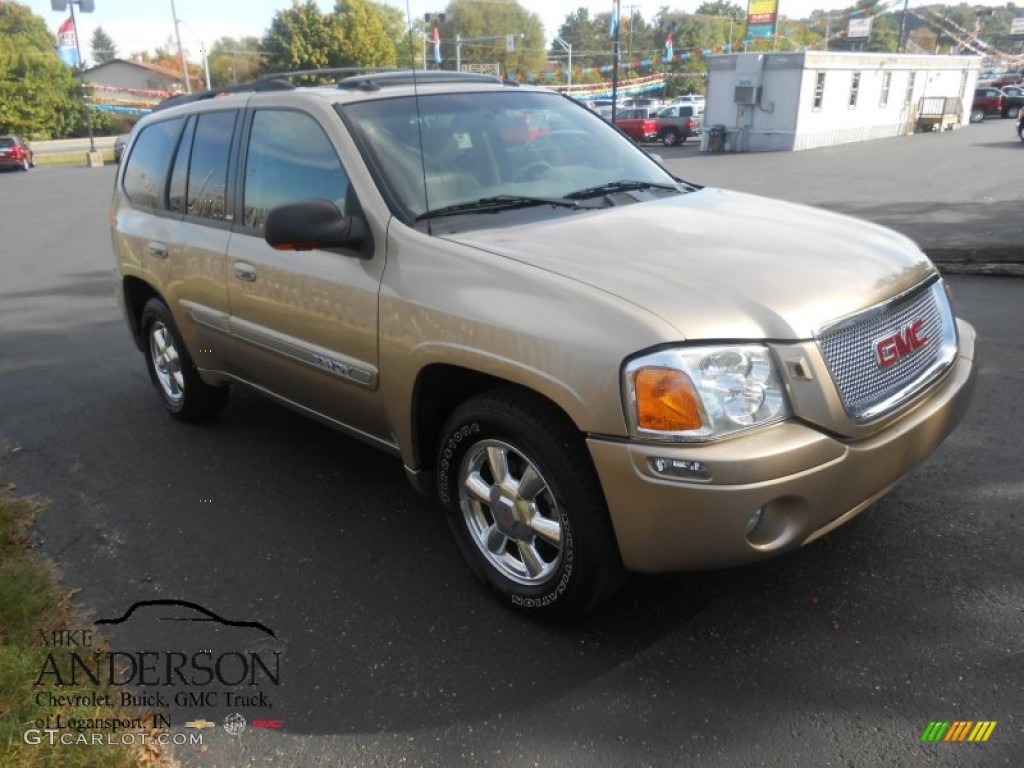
(623,185)
(500,203)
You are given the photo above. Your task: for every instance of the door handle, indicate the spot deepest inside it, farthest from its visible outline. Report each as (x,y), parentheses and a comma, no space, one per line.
(245,271)
(157,250)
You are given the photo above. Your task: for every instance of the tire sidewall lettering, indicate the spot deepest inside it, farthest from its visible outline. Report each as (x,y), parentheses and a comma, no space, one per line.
(447,454)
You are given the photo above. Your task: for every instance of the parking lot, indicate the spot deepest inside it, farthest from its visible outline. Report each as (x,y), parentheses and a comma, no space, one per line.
(839,654)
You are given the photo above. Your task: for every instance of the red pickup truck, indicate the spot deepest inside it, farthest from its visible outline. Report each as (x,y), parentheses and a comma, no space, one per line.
(637,124)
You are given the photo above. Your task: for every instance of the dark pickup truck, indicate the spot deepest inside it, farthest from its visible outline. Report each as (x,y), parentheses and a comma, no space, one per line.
(676,123)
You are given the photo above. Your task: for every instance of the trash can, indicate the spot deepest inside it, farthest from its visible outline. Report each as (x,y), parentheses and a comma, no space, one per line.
(716,138)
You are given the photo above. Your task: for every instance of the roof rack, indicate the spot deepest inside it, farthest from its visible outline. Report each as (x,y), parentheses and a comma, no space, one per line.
(275,81)
(267,83)
(357,78)
(377,80)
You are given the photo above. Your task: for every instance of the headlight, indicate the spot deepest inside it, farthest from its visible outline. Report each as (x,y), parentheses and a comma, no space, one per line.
(702,393)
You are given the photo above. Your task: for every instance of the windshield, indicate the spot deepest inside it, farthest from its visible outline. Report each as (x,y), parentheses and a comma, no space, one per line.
(514,143)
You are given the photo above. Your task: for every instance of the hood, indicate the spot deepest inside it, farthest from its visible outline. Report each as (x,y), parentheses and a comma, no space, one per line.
(722,265)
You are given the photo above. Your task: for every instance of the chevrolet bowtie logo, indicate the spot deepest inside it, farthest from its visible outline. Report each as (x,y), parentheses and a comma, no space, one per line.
(200,724)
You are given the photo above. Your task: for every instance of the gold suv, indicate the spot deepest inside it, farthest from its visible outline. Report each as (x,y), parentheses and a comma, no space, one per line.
(595,366)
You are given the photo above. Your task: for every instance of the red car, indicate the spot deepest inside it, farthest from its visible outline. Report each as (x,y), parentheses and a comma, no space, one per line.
(14,153)
(988,102)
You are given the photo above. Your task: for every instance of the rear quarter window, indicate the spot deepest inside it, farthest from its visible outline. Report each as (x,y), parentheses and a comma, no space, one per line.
(145,175)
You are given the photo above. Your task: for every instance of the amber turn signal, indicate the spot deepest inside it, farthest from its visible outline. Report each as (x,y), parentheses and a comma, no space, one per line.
(666,400)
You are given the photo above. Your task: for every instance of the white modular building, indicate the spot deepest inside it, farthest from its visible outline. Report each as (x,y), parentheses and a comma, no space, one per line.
(807,99)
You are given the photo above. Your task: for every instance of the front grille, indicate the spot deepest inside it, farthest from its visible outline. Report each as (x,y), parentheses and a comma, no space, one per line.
(883,356)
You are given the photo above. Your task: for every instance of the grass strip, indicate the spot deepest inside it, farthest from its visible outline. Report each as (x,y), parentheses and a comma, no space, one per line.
(31,601)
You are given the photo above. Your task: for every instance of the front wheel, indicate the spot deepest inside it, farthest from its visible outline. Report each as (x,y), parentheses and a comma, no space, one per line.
(977,115)
(526,506)
(172,371)
(1011,112)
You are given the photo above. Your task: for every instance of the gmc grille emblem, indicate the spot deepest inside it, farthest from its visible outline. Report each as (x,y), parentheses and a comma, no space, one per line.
(892,349)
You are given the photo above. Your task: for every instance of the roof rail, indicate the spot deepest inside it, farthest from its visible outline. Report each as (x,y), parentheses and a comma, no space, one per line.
(266,83)
(349,71)
(376,81)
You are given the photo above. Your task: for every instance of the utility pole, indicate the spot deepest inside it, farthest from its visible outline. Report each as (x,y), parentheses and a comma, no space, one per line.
(567,47)
(181,51)
(617,56)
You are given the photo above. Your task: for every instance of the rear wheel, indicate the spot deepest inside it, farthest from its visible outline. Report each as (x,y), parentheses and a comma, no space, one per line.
(669,138)
(525,504)
(172,371)
(1011,112)
(977,115)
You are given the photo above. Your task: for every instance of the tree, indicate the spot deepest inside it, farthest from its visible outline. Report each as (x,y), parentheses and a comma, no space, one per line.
(591,44)
(103,49)
(371,32)
(721,8)
(303,37)
(234,61)
(39,96)
(479,18)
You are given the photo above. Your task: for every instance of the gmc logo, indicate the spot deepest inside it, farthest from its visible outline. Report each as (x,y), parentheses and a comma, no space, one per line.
(894,348)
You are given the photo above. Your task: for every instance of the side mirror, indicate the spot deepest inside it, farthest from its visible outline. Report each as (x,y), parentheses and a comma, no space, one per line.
(311,224)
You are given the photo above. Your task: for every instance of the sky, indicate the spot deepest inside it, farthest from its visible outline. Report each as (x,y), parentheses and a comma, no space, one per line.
(143,25)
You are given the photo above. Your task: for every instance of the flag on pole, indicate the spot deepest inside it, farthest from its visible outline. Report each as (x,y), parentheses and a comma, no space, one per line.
(613,22)
(67,43)
(437,45)
(668,47)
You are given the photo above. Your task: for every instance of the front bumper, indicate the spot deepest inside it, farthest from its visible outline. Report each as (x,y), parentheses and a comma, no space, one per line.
(806,482)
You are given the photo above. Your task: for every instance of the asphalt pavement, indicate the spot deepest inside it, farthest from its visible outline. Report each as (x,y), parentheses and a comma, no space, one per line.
(958,194)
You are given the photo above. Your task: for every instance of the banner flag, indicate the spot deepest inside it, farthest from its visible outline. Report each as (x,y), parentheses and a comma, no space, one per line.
(668,47)
(437,45)
(67,44)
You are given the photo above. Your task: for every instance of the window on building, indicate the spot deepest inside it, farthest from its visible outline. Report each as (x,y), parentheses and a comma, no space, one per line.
(819,90)
(911,77)
(854,89)
(883,102)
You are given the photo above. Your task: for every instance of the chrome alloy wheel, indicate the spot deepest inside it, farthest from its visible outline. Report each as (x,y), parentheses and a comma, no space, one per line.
(510,513)
(166,363)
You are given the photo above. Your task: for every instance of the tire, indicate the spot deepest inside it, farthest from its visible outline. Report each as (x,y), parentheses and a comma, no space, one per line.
(172,371)
(1011,112)
(669,138)
(549,550)
(977,115)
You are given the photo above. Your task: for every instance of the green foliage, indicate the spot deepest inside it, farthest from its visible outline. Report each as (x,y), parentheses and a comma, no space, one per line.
(483,18)
(591,44)
(103,48)
(39,97)
(234,61)
(303,37)
(371,33)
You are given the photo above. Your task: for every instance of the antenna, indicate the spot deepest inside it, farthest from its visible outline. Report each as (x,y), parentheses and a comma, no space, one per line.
(419,115)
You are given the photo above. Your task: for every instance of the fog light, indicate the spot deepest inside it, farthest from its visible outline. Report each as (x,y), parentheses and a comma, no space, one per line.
(754,521)
(680,468)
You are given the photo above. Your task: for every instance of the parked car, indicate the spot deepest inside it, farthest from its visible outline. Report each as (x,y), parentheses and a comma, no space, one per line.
(988,102)
(1013,100)
(637,123)
(678,122)
(15,153)
(593,365)
(689,98)
(119,144)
